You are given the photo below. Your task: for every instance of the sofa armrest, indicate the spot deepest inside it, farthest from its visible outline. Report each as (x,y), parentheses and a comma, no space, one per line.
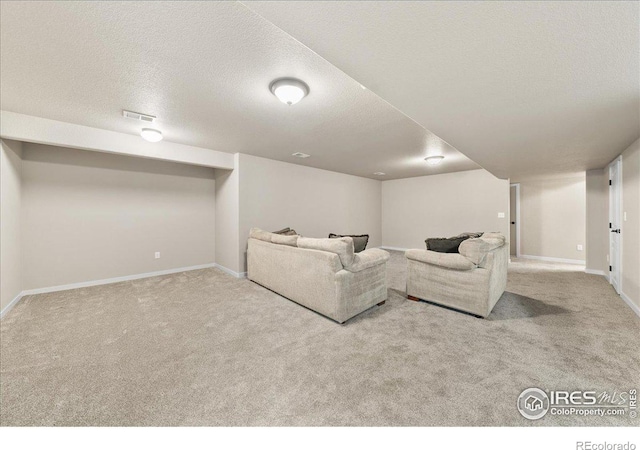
(448,260)
(367,259)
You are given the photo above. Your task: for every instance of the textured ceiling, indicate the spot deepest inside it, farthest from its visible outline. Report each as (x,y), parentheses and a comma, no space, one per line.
(522,88)
(204,70)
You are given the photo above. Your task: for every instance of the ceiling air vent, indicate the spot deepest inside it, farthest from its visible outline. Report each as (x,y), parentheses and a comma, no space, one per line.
(300,155)
(138,116)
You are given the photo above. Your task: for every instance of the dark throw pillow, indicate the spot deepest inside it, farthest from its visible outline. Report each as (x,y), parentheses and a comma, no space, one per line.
(359,241)
(286,232)
(444,245)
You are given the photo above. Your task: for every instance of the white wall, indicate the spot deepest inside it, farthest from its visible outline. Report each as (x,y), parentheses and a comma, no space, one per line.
(552,218)
(88,216)
(314,202)
(597,221)
(10,232)
(70,216)
(414,209)
(228,217)
(630,274)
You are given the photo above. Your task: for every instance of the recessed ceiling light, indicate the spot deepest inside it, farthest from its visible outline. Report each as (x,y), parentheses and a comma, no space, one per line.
(300,155)
(379,173)
(151,135)
(434,160)
(289,90)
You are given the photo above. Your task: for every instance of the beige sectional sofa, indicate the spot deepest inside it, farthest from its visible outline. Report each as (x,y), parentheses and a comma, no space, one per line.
(324,275)
(472,280)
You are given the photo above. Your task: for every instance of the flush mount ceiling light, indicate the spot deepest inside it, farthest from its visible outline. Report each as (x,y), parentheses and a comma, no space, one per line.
(434,160)
(379,173)
(151,135)
(300,155)
(289,90)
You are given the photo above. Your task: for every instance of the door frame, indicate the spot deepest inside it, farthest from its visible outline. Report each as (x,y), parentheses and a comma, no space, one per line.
(517,186)
(618,263)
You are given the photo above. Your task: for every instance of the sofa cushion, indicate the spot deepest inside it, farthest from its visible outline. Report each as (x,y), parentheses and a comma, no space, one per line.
(360,241)
(367,259)
(448,260)
(282,239)
(343,247)
(493,234)
(469,235)
(476,249)
(444,245)
(286,231)
(257,233)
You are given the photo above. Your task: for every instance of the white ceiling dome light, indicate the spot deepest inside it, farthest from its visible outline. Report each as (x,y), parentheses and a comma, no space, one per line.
(434,160)
(289,90)
(151,135)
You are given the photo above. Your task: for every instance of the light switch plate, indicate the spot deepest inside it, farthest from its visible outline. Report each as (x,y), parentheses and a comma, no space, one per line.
(625,216)
(501,216)
(157,255)
(579,247)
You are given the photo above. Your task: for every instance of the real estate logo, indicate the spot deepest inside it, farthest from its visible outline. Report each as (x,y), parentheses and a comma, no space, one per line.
(533,403)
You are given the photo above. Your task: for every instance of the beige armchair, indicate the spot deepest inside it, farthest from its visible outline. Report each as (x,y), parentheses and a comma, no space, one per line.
(472,280)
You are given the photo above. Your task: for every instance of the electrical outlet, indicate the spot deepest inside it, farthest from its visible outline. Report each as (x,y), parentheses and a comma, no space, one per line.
(579,247)
(501,216)
(157,255)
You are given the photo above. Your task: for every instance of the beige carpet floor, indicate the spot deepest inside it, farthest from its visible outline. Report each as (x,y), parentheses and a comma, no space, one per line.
(203,348)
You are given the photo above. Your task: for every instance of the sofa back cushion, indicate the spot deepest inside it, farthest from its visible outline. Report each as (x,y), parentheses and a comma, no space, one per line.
(257,233)
(284,239)
(476,249)
(448,260)
(261,235)
(493,234)
(343,247)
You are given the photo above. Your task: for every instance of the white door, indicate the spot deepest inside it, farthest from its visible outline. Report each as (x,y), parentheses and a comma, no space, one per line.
(614,223)
(513,206)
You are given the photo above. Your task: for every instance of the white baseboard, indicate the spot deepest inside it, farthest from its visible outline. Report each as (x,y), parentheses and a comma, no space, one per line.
(558,260)
(398,249)
(11,304)
(595,272)
(230,272)
(635,308)
(66,287)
